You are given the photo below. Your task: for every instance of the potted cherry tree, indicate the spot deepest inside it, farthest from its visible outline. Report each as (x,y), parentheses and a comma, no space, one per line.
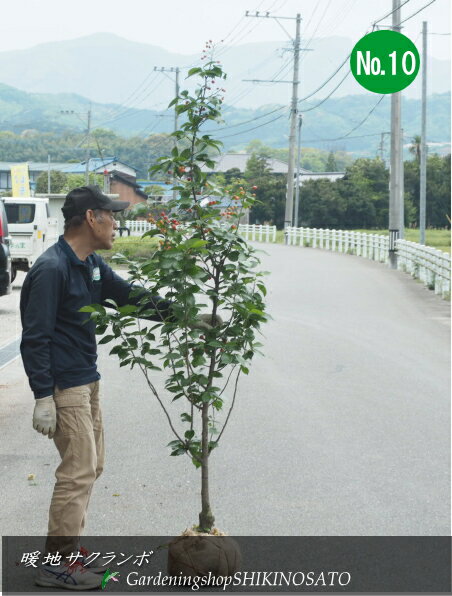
(201,264)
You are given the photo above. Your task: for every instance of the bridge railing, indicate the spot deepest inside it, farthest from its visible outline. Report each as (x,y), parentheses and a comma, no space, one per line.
(370,246)
(431,266)
(260,233)
(139,227)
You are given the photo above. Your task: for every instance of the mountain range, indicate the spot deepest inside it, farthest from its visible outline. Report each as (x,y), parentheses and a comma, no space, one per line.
(106,68)
(341,123)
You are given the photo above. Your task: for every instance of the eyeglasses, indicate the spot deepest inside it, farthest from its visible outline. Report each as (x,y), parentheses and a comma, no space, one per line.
(105,212)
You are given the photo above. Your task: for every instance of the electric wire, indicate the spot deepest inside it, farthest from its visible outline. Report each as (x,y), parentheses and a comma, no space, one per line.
(117,109)
(250,129)
(417,12)
(328,96)
(389,13)
(347,136)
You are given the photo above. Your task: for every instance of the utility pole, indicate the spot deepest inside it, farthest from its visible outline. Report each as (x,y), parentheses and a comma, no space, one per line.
(48,173)
(297,188)
(402,190)
(293,125)
(423,164)
(176,70)
(382,145)
(88,133)
(395,172)
(288,217)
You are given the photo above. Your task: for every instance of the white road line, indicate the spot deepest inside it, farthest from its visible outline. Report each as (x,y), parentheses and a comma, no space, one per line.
(13,357)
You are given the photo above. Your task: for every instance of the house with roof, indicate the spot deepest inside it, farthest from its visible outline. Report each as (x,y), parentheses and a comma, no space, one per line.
(119,177)
(229,161)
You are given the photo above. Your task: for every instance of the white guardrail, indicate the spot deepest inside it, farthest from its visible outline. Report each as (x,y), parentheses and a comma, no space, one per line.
(371,246)
(431,266)
(249,232)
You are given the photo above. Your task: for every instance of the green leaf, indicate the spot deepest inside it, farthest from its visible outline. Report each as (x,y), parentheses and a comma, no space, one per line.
(194,243)
(194,71)
(87,309)
(151,233)
(262,288)
(127,309)
(189,434)
(106,339)
(244,369)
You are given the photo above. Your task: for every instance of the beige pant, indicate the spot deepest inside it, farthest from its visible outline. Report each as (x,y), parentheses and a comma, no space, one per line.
(79,438)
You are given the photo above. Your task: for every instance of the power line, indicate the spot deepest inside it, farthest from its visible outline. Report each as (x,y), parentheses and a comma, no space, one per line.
(243,33)
(417,12)
(328,96)
(251,129)
(389,13)
(362,121)
(248,121)
(373,134)
(327,81)
(129,110)
(319,23)
(117,109)
(347,136)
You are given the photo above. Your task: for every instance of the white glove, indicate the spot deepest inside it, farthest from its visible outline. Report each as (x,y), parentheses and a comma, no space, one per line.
(204,322)
(44,416)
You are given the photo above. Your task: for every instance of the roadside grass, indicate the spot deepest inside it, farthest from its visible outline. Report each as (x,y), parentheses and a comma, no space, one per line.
(131,246)
(439,239)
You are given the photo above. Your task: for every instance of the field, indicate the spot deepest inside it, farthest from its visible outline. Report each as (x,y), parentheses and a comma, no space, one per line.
(132,246)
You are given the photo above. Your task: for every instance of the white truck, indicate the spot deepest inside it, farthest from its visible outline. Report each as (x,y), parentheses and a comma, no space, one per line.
(31,230)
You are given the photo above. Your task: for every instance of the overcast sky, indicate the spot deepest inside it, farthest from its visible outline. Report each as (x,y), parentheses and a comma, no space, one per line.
(183,26)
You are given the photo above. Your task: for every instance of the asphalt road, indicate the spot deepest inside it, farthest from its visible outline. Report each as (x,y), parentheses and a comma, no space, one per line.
(342,428)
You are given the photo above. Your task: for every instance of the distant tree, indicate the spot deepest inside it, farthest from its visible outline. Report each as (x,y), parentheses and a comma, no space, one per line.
(257,166)
(58,180)
(331,165)
(270,192)
(75,180)
(232,175)
(438,191)
(415,148)
(259,148)
(321,205)
(154,189)
(365,188)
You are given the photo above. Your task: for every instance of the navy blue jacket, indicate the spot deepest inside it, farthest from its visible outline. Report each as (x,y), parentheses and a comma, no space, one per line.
(58,342)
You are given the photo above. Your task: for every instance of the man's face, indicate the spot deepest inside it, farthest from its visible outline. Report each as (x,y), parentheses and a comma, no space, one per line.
(104,229)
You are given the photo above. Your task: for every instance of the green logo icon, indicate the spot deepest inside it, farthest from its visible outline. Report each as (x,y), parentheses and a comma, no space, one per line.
(108,576)
(384,61)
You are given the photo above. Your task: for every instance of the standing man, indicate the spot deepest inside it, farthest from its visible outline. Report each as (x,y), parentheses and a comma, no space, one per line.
(59,354)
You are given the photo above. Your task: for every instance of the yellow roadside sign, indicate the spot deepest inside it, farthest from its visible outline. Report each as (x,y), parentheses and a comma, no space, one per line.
(20,180)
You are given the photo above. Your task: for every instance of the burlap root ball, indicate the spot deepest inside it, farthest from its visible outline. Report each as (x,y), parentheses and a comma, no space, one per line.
(192,556)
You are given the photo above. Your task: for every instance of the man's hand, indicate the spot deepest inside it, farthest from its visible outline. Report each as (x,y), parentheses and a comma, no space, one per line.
(204,322)
(44,416)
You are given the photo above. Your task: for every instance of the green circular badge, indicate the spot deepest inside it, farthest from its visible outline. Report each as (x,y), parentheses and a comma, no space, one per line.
(384,61)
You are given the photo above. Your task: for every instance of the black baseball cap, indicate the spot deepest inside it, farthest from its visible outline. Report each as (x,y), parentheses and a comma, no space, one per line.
(82,198)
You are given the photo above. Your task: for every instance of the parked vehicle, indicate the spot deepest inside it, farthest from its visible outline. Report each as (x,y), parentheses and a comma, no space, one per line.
(31,230)
(5,257)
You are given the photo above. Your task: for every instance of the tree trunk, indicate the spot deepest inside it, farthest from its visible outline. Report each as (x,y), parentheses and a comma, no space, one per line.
(206,519)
